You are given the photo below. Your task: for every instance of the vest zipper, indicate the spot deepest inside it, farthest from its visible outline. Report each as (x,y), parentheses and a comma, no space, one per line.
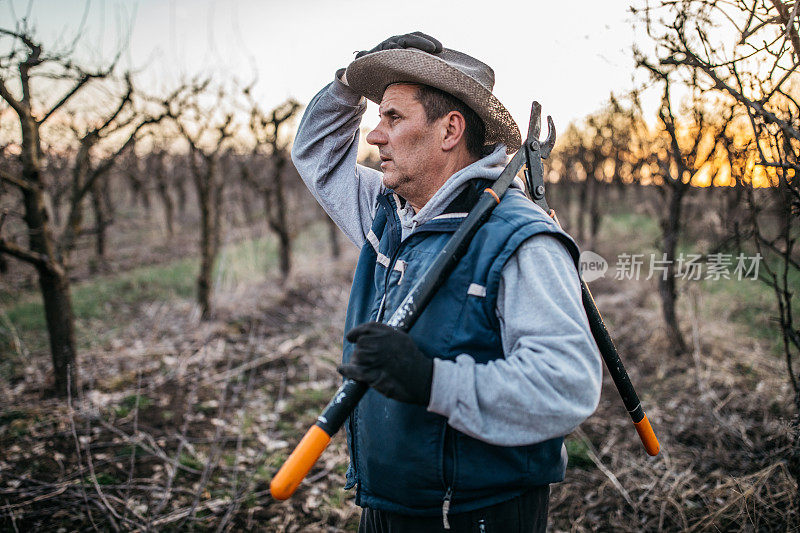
(381,308)
(449,442)
(446,507)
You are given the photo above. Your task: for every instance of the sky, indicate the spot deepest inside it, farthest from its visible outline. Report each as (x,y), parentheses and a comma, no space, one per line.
(568,55)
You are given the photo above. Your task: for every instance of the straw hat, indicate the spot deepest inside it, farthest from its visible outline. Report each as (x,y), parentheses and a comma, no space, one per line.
(460,75)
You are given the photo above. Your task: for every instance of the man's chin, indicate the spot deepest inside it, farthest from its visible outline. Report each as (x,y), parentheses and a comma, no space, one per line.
(388,180)
(395,181)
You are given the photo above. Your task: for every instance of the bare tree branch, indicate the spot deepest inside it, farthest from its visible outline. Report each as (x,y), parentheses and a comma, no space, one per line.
(9,98)
(23,254)
(69,94)
(22,184)
(787,20)
(768,116)
(35,49)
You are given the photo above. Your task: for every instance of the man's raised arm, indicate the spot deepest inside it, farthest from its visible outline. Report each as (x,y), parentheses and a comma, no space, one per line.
(325,153)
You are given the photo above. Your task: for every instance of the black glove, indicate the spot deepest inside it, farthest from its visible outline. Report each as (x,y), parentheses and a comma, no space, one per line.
(389,361)
(417,40)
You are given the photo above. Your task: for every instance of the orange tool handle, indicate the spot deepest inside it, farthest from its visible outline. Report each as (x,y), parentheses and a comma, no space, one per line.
(299,463)
(647,435)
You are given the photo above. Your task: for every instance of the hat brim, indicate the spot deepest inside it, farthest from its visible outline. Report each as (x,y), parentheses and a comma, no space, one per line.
(371,74)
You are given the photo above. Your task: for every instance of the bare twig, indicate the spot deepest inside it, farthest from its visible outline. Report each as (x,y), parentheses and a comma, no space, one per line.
(216,449)
(78,446)
(134,432)
(592,453)
(17,182)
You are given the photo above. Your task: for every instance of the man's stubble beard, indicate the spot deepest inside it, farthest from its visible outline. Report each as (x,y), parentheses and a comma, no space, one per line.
(396,180)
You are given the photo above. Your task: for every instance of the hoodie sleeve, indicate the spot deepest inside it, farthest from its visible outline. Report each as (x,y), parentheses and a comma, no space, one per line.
(325,152)
(549,380)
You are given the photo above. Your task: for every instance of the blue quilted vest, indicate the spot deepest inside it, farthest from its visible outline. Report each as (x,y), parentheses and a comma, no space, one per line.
(402,457)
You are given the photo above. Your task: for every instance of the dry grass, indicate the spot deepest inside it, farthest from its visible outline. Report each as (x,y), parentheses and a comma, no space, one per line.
(182,423)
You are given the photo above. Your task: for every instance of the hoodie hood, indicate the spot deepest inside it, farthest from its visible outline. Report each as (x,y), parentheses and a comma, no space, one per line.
(488,167)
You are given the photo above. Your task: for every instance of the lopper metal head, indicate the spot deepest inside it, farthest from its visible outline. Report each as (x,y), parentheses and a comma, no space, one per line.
(535,151)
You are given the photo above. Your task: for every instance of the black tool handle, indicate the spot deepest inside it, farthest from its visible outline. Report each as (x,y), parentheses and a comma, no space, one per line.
(618,373)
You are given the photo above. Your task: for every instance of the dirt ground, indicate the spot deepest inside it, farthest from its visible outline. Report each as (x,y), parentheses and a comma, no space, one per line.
(181,423)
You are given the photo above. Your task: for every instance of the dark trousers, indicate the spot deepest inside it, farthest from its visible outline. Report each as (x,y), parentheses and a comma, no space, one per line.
(526,513)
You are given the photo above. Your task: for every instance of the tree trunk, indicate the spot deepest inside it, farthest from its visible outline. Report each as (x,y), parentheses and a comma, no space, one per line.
(101,223)
(53,279)
(573,195)
(642,192)
(276,216)
(169,206)
(180,189)
(56,203)
(60,326)
(155,167)
(621,190)
(246,207)
(207,252)
(583,195)
(109,206)
(139,185)
(733,207)
(333,237)
(218,195)
(285,253)
(594,213)
(76,203)
(145,200)
(133,189)
(670,227)
(54,284)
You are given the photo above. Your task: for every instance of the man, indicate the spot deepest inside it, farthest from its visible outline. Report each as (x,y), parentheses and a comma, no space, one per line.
(462,427)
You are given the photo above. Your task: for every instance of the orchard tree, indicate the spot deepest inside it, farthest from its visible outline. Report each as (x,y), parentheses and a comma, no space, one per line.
(207,131)
(25,67)
(266,129)
(28,74)
(93,161)
(748,51)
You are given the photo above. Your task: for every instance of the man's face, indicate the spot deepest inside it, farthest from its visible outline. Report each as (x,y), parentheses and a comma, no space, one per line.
(408,145)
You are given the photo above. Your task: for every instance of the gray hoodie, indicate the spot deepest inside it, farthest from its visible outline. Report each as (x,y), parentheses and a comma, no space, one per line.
(549,380)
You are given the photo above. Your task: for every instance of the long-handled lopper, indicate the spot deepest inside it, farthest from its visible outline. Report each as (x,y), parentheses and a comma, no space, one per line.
(350,392)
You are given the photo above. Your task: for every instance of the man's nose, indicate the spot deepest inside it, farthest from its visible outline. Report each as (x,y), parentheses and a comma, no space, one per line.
(376,137)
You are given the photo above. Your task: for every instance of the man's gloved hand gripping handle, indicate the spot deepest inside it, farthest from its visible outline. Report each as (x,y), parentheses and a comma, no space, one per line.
(389,361)
(384,358)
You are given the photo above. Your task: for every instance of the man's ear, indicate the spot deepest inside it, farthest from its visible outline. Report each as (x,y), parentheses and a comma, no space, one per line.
(454,126)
